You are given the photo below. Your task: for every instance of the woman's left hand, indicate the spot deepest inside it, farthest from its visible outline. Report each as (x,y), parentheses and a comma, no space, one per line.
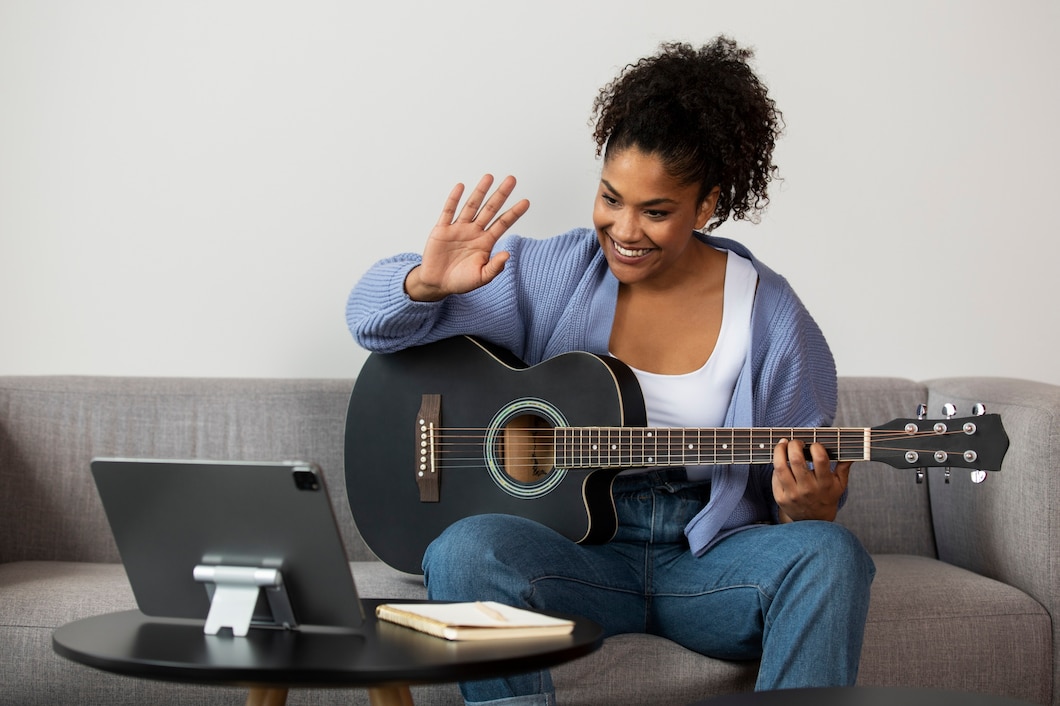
(804,491)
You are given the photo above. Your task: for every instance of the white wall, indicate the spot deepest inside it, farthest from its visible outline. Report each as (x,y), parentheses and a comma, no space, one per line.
(191,187)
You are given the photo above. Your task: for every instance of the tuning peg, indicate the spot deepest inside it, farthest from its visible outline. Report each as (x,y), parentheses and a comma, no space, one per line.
(949,410)
(978,476)
(912,428)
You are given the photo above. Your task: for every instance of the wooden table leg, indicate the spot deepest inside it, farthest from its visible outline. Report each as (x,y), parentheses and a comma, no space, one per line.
(390,696)
(377,696)
(266,696)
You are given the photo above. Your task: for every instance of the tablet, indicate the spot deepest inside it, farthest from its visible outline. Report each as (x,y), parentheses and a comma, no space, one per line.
(214,540)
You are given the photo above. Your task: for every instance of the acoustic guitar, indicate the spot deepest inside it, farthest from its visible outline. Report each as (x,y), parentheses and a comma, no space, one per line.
(456,428)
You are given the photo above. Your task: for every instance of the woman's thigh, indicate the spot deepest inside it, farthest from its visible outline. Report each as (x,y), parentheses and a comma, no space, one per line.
(722,603)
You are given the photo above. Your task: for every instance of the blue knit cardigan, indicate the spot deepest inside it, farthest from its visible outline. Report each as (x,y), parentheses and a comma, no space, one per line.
(558,295)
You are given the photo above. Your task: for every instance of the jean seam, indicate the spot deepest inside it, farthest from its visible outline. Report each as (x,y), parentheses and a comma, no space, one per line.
(649,564)
(555,577)
(757,588)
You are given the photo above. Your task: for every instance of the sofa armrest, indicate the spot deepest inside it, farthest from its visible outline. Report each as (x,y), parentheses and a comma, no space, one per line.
(1008,527)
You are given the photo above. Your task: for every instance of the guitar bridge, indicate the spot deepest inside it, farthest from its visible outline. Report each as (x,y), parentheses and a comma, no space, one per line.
(428,423)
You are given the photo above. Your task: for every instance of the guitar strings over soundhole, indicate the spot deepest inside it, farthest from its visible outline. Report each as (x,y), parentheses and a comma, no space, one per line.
(526,449)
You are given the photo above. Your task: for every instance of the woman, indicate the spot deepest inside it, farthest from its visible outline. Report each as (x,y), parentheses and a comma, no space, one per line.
(736,562)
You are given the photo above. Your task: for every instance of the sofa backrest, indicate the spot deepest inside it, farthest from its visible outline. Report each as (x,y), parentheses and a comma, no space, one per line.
(886,508)
(51,428)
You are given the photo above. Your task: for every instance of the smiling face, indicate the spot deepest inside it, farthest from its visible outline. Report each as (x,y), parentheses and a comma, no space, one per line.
(645,220)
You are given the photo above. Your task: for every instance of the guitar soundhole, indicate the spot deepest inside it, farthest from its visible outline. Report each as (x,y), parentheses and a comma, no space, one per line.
(525,451)
(520,448)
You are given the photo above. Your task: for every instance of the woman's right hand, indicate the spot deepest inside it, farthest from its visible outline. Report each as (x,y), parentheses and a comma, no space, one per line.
(457,257)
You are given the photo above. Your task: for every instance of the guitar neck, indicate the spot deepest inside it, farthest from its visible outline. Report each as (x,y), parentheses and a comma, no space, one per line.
(639,447)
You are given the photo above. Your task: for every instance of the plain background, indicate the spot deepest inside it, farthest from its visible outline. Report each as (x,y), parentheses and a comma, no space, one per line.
(192,187)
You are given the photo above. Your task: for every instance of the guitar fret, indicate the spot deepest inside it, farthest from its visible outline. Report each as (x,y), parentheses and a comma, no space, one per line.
(832,442)
(589,447)
(760,446)
(689,447)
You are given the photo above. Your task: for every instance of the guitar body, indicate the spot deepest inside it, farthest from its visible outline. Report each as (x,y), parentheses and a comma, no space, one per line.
(480,388)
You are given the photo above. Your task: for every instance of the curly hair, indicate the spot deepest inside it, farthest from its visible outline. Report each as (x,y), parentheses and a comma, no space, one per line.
(705,113)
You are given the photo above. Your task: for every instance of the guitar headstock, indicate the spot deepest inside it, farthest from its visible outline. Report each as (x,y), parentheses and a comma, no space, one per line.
(977,443)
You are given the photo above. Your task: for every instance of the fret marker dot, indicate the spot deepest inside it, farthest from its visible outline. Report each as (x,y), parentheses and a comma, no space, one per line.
(725,446)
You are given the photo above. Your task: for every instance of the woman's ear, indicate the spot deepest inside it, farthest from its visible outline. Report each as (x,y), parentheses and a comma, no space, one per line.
(706,208)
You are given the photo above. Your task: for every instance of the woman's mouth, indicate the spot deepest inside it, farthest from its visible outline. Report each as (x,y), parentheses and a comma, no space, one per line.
(628,252)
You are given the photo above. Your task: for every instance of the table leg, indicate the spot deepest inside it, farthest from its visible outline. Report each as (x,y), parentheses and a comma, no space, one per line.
(266,696)
(377,696)
(390,696)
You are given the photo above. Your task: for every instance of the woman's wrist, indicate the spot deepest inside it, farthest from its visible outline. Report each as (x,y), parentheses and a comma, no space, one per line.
(418,291)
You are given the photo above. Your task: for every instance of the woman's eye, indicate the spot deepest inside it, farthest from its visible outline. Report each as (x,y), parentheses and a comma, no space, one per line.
(609,200)
(657,214)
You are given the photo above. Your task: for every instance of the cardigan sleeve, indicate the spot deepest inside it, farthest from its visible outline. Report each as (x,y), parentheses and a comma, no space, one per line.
(536,307)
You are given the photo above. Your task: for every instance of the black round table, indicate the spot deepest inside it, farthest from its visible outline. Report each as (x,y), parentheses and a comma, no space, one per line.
(862,696)
(381,657)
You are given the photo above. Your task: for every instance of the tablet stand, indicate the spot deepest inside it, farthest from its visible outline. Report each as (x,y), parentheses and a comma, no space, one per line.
(234,592)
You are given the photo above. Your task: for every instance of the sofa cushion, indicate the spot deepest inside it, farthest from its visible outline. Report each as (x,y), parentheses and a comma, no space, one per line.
(933,623)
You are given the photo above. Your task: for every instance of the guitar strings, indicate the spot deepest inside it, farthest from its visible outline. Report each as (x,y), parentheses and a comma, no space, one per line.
(659,445)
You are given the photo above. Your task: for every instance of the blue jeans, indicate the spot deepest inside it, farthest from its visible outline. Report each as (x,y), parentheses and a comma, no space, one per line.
(794,596)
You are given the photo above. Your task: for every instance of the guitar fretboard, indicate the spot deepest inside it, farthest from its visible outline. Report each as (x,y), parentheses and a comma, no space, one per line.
(640,447)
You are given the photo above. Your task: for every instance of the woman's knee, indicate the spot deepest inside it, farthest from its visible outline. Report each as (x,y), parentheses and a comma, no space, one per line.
(837,550)
(477,550)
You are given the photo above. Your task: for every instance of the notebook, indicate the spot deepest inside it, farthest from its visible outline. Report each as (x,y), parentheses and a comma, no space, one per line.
(183,528)
(478,620)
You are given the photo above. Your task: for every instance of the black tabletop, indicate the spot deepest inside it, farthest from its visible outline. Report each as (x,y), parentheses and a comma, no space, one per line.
(379,653)
(862,696)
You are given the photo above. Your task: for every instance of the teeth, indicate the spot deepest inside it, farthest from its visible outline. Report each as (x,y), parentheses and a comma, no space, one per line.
(625,252)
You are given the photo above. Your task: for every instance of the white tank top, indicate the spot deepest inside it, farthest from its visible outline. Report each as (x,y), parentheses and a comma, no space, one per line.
(701,398)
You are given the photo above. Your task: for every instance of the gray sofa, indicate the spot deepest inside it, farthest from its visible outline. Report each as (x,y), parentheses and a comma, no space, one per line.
(968,576)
